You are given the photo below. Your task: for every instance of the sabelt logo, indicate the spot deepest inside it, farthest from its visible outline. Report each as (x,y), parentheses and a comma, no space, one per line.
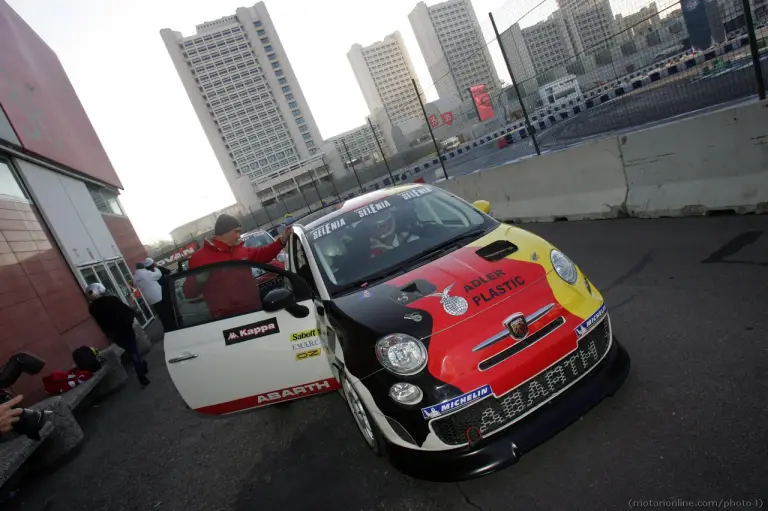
(303,355)
(252,331)
(300,336)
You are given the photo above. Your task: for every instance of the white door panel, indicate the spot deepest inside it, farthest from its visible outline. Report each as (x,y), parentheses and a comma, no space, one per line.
(251,360)
(90,217)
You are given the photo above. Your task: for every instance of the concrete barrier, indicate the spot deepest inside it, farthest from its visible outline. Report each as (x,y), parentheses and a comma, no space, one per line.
(584,182)
(718,161)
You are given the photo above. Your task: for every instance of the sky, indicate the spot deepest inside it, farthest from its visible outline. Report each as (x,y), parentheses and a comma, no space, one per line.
(118,64)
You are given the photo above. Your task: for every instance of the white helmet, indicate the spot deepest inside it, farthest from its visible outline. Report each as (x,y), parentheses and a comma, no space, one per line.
(95,290)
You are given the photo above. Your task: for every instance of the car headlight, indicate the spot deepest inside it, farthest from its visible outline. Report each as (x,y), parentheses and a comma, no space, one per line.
(282,257)
(401,354)
(405,393)
(563,266)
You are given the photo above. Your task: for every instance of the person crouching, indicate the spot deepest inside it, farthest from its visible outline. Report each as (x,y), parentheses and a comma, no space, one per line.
(115,319)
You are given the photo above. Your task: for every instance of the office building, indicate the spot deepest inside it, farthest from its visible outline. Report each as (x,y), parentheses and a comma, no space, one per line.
(250,104)
(360,143)
(548,43)
(384,72)
(453,47)
(519,57)
(590,24)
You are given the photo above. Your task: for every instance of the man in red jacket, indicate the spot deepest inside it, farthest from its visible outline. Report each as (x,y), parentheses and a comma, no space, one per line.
(229,291)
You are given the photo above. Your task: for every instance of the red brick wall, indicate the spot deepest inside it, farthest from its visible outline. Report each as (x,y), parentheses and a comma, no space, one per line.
(42,307)
(126,238)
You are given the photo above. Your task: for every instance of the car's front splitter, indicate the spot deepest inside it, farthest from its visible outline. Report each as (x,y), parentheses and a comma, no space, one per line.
(504,448)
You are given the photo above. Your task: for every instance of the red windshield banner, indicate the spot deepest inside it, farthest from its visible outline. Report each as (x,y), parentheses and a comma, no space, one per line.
(482,102)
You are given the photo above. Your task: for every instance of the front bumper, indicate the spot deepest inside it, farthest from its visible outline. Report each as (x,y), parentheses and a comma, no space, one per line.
(505,447)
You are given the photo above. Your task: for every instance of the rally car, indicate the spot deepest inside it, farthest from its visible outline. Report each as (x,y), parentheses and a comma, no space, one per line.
(459,342)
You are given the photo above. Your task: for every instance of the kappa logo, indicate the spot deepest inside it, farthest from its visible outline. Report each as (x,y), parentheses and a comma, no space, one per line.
(252,331)
(591,321)
(461,401)
(306,334)
(303,355)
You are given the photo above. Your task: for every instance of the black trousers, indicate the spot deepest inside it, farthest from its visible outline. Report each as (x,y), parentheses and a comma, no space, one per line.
(127,341)
(164,313)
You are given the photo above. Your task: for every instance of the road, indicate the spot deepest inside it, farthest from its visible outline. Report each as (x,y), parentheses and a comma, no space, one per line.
(687,298)
(674,97)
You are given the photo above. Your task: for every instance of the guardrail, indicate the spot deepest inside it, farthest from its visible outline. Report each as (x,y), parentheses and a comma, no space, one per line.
(713,162)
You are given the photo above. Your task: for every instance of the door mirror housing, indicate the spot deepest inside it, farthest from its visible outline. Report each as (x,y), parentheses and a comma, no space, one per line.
(483,205)
(278,299)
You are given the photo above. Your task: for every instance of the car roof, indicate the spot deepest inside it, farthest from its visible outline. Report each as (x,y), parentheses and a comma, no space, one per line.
(321,216)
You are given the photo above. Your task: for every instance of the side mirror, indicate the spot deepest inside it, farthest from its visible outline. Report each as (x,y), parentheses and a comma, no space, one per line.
(483,205)
(277,299)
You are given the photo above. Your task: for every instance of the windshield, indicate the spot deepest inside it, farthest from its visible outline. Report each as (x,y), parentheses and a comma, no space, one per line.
(258,240)
(391,233)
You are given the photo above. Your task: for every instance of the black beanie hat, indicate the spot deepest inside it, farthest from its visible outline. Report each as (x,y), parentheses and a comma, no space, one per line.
(224,224)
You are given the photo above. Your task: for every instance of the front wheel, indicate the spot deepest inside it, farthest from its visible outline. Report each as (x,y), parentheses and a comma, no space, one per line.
(365,423)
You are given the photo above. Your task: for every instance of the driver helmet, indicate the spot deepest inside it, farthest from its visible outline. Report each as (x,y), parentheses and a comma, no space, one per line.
(95,290)
(381,225)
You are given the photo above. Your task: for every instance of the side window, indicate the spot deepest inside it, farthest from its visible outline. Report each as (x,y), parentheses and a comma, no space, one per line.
(300,264)
(215,293)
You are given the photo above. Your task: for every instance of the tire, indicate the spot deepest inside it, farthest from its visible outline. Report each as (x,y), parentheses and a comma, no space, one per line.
(367,427)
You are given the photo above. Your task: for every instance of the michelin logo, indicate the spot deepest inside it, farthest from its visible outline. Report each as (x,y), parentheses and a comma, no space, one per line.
(588,323)
(437,410)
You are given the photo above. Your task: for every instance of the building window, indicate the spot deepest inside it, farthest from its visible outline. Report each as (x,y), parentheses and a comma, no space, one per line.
(256,24)
(307,136)
(292,104)
(282,81)
(310,144)
(286,88)
(9,185)
(303,128)
(275,65)
(279,72)
(265,40)
(268,49)
(299,120)
(288,97)
(105,200)
(261,32)
(272,56)
(296,113)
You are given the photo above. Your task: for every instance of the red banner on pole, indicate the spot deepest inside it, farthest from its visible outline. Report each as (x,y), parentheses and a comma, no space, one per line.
(447,118)
(433,121)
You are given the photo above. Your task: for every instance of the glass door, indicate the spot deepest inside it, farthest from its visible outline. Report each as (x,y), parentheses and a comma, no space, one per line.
(120,273)
(113,275)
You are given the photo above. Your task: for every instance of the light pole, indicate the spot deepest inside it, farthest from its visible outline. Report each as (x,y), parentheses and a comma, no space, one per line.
(349,159)
(386,163)
(424,110)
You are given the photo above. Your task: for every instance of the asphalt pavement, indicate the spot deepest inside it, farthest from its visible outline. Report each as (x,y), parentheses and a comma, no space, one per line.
(688,300)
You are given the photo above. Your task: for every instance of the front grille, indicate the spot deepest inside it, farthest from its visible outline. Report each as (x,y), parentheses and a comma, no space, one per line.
(492,414)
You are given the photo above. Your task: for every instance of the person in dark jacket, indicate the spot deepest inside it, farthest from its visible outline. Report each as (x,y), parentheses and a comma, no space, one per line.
(223,289)
(115,319)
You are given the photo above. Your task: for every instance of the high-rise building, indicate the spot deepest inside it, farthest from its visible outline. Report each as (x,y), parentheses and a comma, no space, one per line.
(360,142)
(384,72)
(250,104)
(590,24)
(519,57)
(548,43)
(452,44)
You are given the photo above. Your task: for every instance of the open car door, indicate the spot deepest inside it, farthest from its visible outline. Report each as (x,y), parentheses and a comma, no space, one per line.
(244,338)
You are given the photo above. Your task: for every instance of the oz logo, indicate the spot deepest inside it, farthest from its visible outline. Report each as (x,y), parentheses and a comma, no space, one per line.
(303,355)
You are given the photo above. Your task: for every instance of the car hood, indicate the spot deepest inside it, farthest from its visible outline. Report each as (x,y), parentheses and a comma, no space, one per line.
(457,303)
